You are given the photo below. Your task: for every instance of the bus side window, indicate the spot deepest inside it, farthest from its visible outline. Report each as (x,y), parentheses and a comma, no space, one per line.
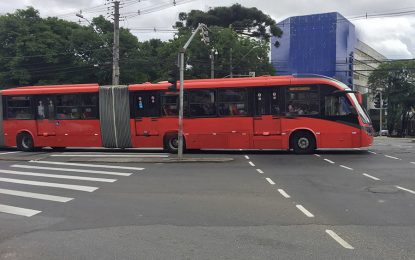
(170,105)
(19,107)
(275,104)
(232,102)
(147,104)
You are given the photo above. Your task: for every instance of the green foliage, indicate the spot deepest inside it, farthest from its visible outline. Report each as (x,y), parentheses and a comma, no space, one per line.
(245,21)
(397,81)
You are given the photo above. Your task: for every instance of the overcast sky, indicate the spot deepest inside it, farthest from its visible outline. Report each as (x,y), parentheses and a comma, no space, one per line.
(393,36)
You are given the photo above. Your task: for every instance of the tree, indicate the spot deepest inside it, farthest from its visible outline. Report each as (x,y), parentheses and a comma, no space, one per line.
(397,81)
(245,21)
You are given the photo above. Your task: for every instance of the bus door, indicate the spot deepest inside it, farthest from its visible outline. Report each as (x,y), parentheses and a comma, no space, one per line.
(267,120)
(45,116)
(146,113)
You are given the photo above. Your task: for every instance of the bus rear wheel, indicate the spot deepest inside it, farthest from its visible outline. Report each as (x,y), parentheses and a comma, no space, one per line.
(171,143)
(303,142)
(25,142)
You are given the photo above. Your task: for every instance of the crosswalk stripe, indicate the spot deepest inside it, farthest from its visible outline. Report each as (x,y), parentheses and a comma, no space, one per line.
(10,152)
(39,196)
(50,184)
(18,211)
(73,170)
(57,176)
(90,165)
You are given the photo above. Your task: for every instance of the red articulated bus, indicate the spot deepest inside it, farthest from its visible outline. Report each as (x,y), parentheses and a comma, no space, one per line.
(302,113)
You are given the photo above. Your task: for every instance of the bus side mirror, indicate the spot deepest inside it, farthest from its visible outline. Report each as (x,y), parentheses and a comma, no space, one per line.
(359,97)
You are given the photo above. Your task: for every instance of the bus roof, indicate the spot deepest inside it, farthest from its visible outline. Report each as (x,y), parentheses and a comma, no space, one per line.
(189,84)
(51,89)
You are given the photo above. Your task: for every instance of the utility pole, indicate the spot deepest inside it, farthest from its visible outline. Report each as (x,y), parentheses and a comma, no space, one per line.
(116,47)
(380,113)
(213,52)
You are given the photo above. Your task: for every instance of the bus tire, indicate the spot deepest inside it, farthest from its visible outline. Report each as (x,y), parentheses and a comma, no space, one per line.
(171,143)
(303,142)
(25,142)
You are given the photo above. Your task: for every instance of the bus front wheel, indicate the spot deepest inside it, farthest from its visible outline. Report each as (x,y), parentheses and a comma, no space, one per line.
(171,143)
(25,142)
(303,142)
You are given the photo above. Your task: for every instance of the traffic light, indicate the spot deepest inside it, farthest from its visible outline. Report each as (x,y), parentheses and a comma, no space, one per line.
(205,36)
(377,101)
(172,79)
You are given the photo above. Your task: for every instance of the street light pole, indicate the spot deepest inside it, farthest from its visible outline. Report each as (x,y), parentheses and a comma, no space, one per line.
(116,50)
(380,113)
(213,52)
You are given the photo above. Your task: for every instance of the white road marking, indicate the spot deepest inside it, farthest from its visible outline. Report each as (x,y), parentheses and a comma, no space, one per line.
(306,212)
(260,171)
(9,152)
(339,239)
(247,157)
(327,160)
(39,196)
(370,176)
(392,157)
(50,184)
(413,162)
(372,152)
(90,165)
(270,181)
(111,155)
(283,193)
(18,211)
(72,170)
(252,164)
(317,155)
(348,168)
(408,190)
(57,176)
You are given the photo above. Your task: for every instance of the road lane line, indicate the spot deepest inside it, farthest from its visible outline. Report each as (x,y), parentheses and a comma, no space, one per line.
(283,193)
(260,171)
(18,211)
(10,152)
(50,184)
(32,195)
(306,212)
(252,164)
(372,152)
(348,168)
(392,157)
(327,160)
(90,165)
(413,162)
(408,190)
(270,181)
(57,176)
(370,176)
(111,155)
(247,157)
(72,170)
(338,239)
(317,155)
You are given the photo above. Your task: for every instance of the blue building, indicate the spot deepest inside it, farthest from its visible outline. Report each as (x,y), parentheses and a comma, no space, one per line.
(322,44)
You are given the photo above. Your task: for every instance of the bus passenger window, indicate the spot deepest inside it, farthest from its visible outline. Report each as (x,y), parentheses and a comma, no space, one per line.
(232,102)
(303,101)
(337,106)
(19,107)
(275,105)
(146,104)
(202,103)
(170,105)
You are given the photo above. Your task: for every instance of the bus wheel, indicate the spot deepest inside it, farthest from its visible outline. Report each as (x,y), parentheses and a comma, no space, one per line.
(303,142)
(171,143)
(25,142)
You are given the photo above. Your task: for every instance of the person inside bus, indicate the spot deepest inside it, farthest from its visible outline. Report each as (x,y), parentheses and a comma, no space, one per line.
(41,110)
(51,110)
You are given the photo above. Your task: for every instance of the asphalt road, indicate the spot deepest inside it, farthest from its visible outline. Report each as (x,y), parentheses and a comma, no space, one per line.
(355,204)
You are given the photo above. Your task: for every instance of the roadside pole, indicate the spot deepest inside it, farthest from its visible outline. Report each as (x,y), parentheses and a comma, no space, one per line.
(205,39)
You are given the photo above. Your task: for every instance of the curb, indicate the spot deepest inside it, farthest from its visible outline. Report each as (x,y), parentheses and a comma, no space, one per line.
(152,160)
